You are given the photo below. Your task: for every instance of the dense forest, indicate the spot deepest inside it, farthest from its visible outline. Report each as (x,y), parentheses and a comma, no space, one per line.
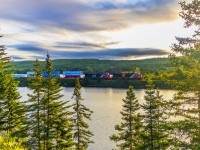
(155,66)
(46,122)
(101,66)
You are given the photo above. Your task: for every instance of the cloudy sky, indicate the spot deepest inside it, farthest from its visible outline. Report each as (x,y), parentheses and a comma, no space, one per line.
(103,29)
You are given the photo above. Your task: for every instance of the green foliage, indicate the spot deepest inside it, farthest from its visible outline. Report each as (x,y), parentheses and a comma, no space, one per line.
(49,123)
(48,65)
(101,66)
(129,130)
(11,143)
(155,135)
(186,102)
(137,69)
(57,125)
(12,113)
(82,134)
(35,109)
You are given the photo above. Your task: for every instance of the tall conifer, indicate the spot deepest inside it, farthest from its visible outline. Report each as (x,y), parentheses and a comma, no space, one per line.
(57,124)
(35,113)
(12,111)
(129,131)
(187,63)
(155,135)
(82,134)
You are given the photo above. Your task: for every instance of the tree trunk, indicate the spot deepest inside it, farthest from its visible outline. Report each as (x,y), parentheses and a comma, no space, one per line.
(199,116)
(78,129)
(38,119)
(151,129)
(130,125)
(48,123)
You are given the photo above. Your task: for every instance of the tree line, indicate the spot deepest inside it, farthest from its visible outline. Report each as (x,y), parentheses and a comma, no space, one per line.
(46,122)
(96,66)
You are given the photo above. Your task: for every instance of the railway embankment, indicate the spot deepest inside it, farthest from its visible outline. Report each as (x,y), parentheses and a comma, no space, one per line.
(104,83)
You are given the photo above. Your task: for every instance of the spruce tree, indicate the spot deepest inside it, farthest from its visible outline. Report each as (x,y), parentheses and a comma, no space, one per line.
(12,111)
(57,123)
(155,135)
(35,113)
(129,131)
(187,65)
(82,134)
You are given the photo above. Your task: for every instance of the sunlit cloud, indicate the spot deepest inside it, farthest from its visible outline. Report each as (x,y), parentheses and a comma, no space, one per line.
(93,28)
(79,16)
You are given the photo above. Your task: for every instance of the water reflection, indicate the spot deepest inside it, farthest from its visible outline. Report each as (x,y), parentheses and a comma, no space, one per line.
(106,104)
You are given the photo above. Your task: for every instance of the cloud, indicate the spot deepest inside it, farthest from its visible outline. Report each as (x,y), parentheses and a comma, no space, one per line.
(15,57)
(73,28)
(26,47)
(79,45)
(84,16)
(120,53)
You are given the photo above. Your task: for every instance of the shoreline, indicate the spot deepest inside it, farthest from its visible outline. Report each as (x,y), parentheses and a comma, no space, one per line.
(104,83)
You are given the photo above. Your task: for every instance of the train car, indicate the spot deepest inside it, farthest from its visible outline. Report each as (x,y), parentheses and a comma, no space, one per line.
(136,76)
(73,74)
(54,74)
(92,75)
(119,75)
(106,76)
(123,75)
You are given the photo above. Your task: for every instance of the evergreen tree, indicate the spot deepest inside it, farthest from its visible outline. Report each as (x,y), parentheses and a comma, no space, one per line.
(131,127)
(12,111)
(34,118)
(81,132)
(187,63)
(155,135)
(57,125)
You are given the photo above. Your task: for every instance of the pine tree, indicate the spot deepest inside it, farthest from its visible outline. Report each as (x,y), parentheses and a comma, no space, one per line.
(4,80)
(12,111)
(155,135)
(34,117)
(57,124)
(129,130)
(82,134)
(187,101)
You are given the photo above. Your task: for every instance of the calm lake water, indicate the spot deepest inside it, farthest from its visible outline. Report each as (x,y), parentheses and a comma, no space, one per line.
(106,104)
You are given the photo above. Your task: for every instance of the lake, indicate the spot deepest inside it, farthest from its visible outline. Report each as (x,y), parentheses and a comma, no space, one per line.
(106,104)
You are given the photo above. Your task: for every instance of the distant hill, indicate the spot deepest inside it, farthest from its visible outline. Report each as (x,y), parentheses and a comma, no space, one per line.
(100,66)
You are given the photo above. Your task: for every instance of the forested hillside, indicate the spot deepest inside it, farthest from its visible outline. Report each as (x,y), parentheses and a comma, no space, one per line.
(99,66)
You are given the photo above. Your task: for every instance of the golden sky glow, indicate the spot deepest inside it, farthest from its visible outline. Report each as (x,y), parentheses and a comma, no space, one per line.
(108,29)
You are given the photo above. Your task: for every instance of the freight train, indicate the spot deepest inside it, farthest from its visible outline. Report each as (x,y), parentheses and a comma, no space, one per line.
(81,75)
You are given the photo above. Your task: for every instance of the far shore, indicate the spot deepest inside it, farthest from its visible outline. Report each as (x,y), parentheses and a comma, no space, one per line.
(105,83)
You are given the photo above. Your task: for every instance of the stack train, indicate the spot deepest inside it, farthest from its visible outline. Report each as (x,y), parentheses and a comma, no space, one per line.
(81,75)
